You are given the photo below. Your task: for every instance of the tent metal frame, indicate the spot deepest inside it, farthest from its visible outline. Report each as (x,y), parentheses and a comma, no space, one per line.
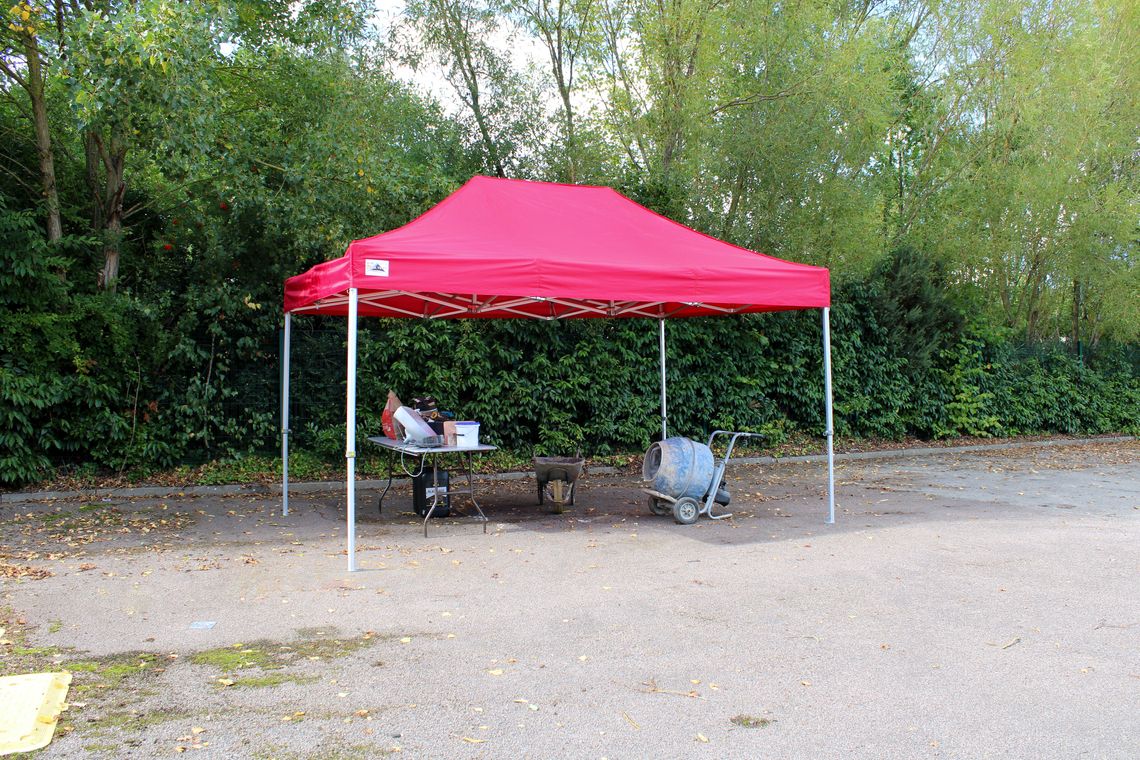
(451,306)
(445,306)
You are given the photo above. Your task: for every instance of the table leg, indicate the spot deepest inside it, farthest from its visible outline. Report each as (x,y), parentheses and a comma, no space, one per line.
(471,488)
(434,490)
(380,504)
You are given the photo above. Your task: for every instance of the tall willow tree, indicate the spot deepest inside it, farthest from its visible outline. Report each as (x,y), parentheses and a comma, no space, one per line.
(1027,176)
(567,29)
(471,40)
(801,103)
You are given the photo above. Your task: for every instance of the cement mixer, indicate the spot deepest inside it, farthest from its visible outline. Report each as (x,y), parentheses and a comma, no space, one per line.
(686,479)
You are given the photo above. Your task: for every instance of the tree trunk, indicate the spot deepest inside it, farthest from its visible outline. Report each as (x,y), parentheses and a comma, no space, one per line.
(734,202)
(1077,318)
(571,148)
(114,161)
(35,88)
(92,162)
(458,44)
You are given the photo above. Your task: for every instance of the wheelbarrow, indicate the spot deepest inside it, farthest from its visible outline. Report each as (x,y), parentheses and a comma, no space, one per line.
(698,473)
(558,475)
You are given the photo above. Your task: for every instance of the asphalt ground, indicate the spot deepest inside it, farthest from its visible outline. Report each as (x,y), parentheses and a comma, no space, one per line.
(967,605)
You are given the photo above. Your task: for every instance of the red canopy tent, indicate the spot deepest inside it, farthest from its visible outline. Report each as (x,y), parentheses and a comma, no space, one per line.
(501,248)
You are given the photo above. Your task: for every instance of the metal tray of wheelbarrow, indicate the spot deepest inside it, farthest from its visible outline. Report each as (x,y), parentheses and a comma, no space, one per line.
(560,473)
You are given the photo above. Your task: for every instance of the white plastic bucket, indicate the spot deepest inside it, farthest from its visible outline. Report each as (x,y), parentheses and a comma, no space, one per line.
(466,435)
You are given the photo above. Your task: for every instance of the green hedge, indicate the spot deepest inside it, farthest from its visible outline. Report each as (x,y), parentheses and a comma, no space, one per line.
(131,380)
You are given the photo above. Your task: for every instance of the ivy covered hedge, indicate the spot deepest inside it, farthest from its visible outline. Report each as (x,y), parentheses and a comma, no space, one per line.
(119,381)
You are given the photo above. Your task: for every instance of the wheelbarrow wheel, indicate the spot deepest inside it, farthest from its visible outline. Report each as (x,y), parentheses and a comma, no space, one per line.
(657,507)
(686,510)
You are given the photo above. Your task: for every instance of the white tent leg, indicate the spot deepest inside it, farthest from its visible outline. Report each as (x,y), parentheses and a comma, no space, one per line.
(285,418)
(664,414)
(830,432)
(350,430)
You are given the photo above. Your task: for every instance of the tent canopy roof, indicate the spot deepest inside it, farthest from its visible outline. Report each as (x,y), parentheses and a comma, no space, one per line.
(502,248)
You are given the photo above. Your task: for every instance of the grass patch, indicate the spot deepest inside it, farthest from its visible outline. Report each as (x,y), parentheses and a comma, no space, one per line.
(315,644)
(100,682)
(16,656)
(130,720)
(331,752)
(110,673)
(50,517)
(240,657)
(751,721)
(271,679)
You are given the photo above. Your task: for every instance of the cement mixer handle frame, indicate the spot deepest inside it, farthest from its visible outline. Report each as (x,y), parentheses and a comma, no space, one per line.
(735,435)
(718,475)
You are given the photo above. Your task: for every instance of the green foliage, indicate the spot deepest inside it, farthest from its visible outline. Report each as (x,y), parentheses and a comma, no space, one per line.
(969,410)
(916,305)
(1048,390)
(967,171)
(57,392)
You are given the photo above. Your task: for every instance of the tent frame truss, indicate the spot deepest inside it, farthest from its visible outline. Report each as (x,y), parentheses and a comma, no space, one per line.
(449,306)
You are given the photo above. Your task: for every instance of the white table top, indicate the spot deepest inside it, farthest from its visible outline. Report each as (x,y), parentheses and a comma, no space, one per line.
(414,450)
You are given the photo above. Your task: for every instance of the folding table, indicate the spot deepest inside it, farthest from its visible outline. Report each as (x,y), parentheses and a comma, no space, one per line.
(433,453)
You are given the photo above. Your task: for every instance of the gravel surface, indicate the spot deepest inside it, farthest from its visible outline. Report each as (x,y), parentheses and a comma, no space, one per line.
(966,605)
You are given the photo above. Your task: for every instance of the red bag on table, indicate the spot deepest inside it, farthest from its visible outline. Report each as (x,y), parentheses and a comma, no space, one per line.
(387,421)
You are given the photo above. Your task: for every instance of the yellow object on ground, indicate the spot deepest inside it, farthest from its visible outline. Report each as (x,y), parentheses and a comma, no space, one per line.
(29,709)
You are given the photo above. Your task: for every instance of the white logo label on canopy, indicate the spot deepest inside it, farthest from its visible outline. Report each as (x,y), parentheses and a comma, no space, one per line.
(376,267)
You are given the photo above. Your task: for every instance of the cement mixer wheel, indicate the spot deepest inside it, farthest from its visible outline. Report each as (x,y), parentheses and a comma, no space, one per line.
(657,507)
(686,510)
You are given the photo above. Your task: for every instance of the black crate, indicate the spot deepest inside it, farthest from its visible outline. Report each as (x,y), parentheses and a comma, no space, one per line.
(422,493)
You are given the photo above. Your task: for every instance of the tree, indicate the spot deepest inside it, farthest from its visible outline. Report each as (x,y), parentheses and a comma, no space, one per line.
(24,60)
(566,28)
(139,74)
(459,34)
(1033,184)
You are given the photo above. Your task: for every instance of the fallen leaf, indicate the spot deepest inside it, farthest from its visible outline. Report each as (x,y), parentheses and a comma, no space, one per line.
(469,740)
(495,672)
(702,738)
